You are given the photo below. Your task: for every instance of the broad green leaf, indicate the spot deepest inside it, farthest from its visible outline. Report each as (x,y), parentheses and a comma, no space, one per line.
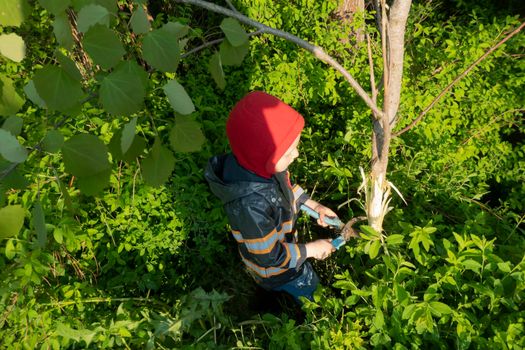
(110,5)
(58,235)
(11,220)
(85,155)
(234,32)
(122,92)
(409,311)
(62,31)
(94,184)
(39,222)
(10,148)
(136,149)
(232,55)
(158,165)
(128,134)
(13,124)
(68,65)
(178,97)
(53,141)
(56,87)
(439,308)
(374,249)
(14,180)
(139,21)
(186,135)
(92,15)
(504,267)
(33,95)
(216,71)
(176,29)
(10,101)
(10,250)
(379,319)
(77,335)
(368,233)
(161,50)
(13,12)
(472,265)
(104,46)
(55,6)
(12,46)
(394,239)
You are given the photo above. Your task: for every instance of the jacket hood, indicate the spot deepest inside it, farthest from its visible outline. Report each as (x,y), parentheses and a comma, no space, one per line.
(235,182)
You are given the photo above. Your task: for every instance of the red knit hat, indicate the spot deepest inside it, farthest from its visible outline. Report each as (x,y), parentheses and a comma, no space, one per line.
(260,130)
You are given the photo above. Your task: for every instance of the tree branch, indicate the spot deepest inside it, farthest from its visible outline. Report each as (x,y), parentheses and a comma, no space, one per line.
(458,78)
(213,42)
(315,50)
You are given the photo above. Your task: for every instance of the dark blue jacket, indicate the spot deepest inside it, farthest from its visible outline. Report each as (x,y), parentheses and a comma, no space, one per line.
(262,214)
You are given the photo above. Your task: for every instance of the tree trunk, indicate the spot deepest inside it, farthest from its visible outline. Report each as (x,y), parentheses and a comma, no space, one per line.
(393,24)
(346,12)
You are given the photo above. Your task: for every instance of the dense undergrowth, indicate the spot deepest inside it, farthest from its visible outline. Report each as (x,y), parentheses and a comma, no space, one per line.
(154,267)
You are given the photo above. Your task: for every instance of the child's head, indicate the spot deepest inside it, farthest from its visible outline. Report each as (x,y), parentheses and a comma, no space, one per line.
(264,132)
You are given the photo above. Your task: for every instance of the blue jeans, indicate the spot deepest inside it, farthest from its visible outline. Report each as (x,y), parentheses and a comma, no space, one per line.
(302,286)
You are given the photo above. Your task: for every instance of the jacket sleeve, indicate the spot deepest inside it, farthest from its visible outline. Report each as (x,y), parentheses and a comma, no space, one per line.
(300,196)
(263,237)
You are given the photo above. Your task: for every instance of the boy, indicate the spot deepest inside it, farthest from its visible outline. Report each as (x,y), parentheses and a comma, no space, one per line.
(262,206)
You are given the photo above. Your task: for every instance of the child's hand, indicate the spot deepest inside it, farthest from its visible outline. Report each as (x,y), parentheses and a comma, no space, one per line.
(322,210)
(320,249)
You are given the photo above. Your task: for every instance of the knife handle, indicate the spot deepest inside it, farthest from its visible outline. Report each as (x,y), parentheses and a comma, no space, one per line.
(332,221)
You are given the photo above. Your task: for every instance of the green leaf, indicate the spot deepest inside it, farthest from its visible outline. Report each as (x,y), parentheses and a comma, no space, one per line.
(11,220)
(234,32)
(39,222)
(10,250)
(409,311)
(379,319)
(136,149)
(368,233)
(85,155)
(438,308)
(233,55)
(158,166)
(68,65)
(10,148)
(62,31)
(13,12)
(77,335)
(186,135)
(394,239)
(176,29)
(139,21)
(55,6)
(161,50)
(10,101)
(53,141)
(128,133)
(94,184)
(13,124)
(374,249)
(504,267)
(216,71)
(110,5)
(472,265)
(13,47)
(32,94)
(56,87)
(122,91)
(178,97)
(104,46)
(92,15)
(58,235)
(13,179)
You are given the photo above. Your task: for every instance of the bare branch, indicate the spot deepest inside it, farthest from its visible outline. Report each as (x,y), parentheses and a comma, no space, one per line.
(315,50)
(214,42)
(372,75)
(458,78)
